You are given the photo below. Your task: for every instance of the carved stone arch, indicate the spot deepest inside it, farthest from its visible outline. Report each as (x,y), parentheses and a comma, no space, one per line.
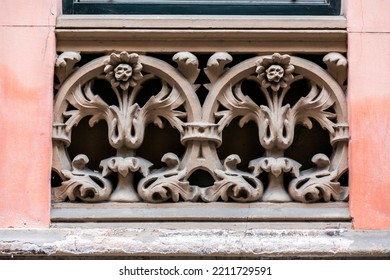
(180,95)
(150,64)
(302,66)
(318,183)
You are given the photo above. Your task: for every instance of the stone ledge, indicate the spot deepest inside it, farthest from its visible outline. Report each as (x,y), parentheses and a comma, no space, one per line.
(200,22)
(202,40)
(206,212)
(250,240)
(205,33)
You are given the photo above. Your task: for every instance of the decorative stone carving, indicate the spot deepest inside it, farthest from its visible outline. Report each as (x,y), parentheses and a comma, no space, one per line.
(64,66)
(234,184)
(125,167)
(83,183)
(187,65)
(216,66)
(286,92)
(275,72)
(123,70)
(200,131)
(337,66)
(316,183)
(168,183)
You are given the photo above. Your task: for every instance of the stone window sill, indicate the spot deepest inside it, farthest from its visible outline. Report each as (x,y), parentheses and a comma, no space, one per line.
(208,240)
(201,22)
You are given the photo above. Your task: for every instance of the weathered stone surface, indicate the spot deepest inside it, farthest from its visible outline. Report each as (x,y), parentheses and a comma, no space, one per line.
(197,240)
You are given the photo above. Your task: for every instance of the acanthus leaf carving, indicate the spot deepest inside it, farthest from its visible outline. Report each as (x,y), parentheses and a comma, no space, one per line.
(164,104)
(237,105)
(64,66)
(234,184)
(81,183)
(168,183)
(124,166)
(316,183)
(188,65)
(275,167)
(337,66)
(86,104)
(216,67)
(315,105)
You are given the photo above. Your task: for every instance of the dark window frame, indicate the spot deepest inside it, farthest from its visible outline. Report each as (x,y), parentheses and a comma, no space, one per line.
(332,7)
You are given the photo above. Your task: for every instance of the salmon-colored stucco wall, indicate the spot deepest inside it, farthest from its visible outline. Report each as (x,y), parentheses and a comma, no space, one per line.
(369,109)
(27,53)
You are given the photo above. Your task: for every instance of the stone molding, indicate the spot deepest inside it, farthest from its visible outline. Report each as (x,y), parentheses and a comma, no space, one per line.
(169,240)
(200,22)
(199,212)
(164,33)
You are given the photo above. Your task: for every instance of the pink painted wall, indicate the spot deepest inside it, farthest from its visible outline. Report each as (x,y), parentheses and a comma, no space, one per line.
(369,109)
(27,53)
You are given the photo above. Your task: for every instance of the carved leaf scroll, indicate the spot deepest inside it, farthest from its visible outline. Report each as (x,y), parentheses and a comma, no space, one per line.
(86,104)
(188,65)
(216,66)
(164,104)
(82,183)
(315,105)
(234,184)
(316,183)
(168,183)
(65,66)
(237,104)
(337,66)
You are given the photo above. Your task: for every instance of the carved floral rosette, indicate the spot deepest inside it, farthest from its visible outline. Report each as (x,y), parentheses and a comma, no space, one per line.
(201,128)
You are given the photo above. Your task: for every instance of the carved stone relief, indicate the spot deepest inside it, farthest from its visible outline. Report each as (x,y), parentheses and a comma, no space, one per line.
(278,94)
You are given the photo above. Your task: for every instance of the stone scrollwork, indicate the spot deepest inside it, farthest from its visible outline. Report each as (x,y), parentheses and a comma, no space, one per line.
(337,67)
(65,66)
(316,183)
(168,183)
(234,184)
(279,94)
(82,183)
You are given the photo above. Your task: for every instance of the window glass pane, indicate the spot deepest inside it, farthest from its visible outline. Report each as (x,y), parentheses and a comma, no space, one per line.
(210,1)
(198,7)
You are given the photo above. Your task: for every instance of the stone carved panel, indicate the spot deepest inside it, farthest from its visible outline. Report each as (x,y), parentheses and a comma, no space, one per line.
(279,95)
